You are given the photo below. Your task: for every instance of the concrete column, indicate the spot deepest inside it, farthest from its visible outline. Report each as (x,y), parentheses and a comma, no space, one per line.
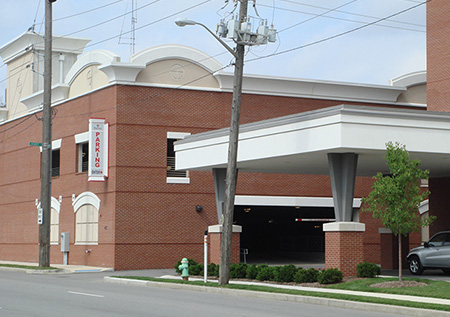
(343,175)
(215,236)
(219,175)
(344,248)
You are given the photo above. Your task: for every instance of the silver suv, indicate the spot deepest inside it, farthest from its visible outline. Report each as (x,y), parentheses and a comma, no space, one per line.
(434,254)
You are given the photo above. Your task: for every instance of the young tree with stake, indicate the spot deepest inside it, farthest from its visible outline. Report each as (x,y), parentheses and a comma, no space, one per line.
(395,198)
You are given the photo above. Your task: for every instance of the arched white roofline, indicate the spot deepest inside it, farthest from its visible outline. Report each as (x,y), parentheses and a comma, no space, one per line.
(97,57)
(411,79)
(172,51)
(86,198)
(55,204)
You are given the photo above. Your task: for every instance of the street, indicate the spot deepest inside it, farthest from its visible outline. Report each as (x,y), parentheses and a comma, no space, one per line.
(85,294)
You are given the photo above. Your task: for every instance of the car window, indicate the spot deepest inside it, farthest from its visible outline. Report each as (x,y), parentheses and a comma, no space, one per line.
(437,240)
(447,239)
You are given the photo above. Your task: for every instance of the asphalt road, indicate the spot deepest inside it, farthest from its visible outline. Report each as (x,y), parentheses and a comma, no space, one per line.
(85,294)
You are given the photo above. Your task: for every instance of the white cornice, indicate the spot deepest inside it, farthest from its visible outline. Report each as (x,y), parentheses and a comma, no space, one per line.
(59,93)
(17,46)
(124,72)
(315,89)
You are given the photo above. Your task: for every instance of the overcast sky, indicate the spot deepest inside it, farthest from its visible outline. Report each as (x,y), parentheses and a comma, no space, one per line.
(371,55)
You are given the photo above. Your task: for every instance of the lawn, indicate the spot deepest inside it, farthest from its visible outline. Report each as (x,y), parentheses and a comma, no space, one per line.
(436,289)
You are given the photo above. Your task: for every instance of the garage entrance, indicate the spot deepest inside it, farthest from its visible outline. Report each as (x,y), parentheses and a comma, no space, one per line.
(283,235)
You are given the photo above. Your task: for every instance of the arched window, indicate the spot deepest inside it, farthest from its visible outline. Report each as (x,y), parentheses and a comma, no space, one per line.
(54,221)
(86,207)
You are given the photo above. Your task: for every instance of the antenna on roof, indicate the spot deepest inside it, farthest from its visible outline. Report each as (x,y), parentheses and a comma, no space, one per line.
(132,38)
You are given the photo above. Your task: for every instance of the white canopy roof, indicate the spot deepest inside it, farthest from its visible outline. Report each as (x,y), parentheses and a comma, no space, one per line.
(299,143)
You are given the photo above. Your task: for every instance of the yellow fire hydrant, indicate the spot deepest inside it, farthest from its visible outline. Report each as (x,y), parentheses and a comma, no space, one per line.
(184,268)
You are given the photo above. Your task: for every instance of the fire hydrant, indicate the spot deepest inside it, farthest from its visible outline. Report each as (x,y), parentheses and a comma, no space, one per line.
(184,268)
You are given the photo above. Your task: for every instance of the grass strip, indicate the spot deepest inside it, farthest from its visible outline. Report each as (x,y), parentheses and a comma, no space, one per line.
(28,267)
(436,289)
(275,290)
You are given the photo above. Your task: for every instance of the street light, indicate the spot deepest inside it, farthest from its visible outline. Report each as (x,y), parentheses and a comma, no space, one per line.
(231,177)
(184,22)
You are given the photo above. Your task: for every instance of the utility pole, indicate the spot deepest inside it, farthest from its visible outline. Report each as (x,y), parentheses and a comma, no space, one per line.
(231,177)
(46,167)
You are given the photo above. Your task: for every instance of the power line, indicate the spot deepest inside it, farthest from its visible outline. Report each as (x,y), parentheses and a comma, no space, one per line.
(340,34)
(109,20)
(84,12)
(350,13)
(317,16)
(151,23)
(356,21)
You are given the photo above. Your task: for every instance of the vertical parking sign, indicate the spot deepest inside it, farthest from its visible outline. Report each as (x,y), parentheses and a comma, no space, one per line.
(98,150)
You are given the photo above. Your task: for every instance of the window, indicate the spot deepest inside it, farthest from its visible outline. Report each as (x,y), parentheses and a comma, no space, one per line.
(174,176)
(54,226)
(86,225)
(55,162)
(83,157)
(56,146)
(54,220)
(82,142)
(86,207)
(437,240)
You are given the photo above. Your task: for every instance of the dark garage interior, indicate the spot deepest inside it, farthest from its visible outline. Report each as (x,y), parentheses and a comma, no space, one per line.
(282,235)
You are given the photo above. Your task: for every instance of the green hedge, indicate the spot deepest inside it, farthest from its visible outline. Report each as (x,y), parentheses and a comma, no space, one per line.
(283,274)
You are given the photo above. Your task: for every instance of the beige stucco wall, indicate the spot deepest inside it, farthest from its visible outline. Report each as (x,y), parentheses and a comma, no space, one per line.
(20,84)
(415,94)
(87,80)
(177,72)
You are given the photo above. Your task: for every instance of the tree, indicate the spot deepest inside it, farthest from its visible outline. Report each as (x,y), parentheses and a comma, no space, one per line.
(395,198)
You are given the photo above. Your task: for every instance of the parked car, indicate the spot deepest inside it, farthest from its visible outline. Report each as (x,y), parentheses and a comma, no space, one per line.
(434,254)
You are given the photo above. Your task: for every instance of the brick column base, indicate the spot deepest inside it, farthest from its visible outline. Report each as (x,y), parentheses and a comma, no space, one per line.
(215,238)
(344,246)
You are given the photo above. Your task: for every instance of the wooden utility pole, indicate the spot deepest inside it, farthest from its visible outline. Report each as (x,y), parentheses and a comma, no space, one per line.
(231,177)
(46,167)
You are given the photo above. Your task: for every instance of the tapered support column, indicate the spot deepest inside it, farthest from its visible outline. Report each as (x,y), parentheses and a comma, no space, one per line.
(344,247)
(343,175)
(219,187)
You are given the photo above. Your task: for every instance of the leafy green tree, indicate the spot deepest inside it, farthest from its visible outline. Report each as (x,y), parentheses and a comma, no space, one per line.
(395,198)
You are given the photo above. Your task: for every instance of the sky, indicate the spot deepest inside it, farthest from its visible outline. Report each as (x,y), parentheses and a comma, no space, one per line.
(333,40)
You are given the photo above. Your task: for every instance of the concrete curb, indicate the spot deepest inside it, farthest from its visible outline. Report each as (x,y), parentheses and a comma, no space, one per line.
(381,308)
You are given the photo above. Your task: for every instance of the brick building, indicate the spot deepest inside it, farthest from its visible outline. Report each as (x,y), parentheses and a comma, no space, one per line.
(146,214)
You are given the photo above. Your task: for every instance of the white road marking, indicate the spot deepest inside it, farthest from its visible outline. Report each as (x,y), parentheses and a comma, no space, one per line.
(85,294)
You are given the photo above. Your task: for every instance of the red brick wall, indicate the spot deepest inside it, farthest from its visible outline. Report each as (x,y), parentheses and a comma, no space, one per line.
(20,184)
(344,251)
(144,222)
(438,55)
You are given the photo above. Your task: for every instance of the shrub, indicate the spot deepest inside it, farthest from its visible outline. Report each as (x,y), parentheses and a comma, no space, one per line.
(285,273)
(266,273)
(191,263)
(238,270)
(330,276)
(367,269)
(196,269)
(212,267)
(252,271)
(306,276)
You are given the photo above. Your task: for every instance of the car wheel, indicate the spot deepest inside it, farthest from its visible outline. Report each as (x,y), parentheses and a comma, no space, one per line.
(415,267)
(446,271)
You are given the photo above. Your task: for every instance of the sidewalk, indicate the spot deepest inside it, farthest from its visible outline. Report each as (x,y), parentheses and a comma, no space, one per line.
(60,268)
